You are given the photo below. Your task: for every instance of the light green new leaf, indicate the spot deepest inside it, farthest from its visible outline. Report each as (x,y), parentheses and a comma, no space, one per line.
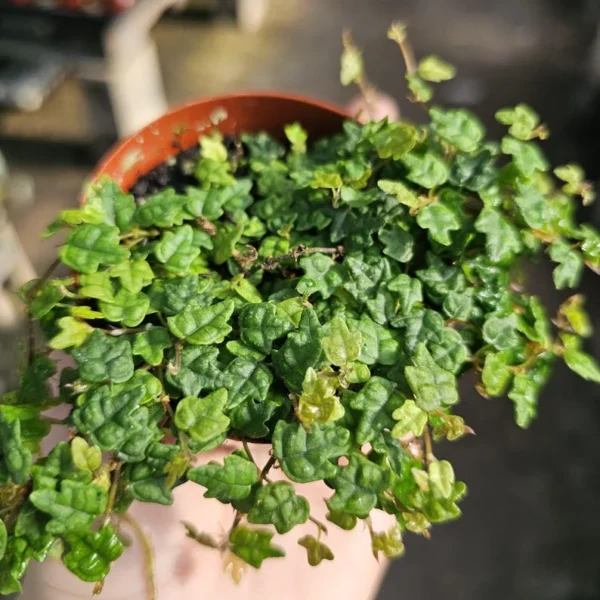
(133,274)
(377,400)
(231,481)
(85,457)
(104,358)
(89,246)
(523,121)
(576,316)
(90,554)
(316,551)
(73,333)
(309,456)
(176,251)
(357,486)
(126,307)
(421,90)
(151,344)
(441,479)
(433,68)
(73,508)
(318,402)
(527,156)
(253,546)
(341,346)
(432,386)
(583,364)
(351,68)
(203,418)
(326,180)
(427,170)
(568,272)
(459,127)
(388,542)
(297,137)
(440,219)
(277,504)
(97,285)
(403,194)
(411,419)
(395,140)
(497,373)
(503,240)
(202,325)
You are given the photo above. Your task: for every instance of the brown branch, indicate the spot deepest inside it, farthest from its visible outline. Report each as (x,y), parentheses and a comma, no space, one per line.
(428,454)
(272,262)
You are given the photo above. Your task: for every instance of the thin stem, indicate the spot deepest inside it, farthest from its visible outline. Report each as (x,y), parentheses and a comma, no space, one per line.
(148,556)
(428,455)
(270,463)
(112,495)
(248,451)
(408,56)
(273,262)
(321,526)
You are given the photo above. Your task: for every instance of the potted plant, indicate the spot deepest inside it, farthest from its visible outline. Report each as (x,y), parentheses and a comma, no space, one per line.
(299,283)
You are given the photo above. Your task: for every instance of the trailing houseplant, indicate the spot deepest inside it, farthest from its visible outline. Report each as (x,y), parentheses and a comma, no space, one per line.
(320,298)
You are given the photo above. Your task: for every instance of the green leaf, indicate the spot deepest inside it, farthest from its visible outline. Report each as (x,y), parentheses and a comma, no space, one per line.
(388,542)
(13,566)
(45,298)
(134,275)
(377,400)
(126,308)
(422,91)
(231,481)
(97,285)
(118,207)
(253,545)
(409,291)
(277,504)
(403,194)
(568,272)
(432,386)
(527,156)
(322,275)
(583,364)
(15,458)
(202,325)
(459,305)
(318,402)
(164,209)
(341,346)
(427,170)
(357,486)
(441,479)
(433,68)
(309,456)
(3,539)
(575,315)
(459,127)
(151,344)
(73,507)
(497,373)
(532,205)
(523,121)
(316,551)
(526,388)
(440,219)
(85,457)
(395,140)
(250,417)
(90,555)
(245,378)
(302,349)
(411,419)
(261,324)
(297,137)
(326,180)
(89,246)
(397,243)
(225,240)
(73,333)
(503,240)
(104,358)
(171,296)
(176,251)
(351,68)
(198,371)
(203,418)
(501,332)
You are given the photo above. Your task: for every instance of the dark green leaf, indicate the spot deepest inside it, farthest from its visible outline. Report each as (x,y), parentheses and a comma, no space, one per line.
(253,545)
(277,504)
(202,325)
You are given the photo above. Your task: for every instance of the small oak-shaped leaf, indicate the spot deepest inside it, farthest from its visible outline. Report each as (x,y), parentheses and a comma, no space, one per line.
(357,486)
(318,402)
(351,67)
(309,456)
(119,207)
(164,209)
(104,358)
(203,418)
(89,246)
(134,275)
(253,545)
(126,307)
(397,242)
(202,325)
(440,219)
(90,554)
(245,378)
(85,457)
(97,285)
(503,240)
(433,68)
(570,264)
(497,373)
(432,386)
(231,481)
(403,194)
(388,542)
(15,457)
(441,479)
(459,127)
(341,346)
(316,551)
(395,140)
(501,331)
(583,364)
(376,401)
(322,275)
(422,91)
(198,370)
(576,316)
(527,156)
(411,419)
(176,251)
(297,137)
(250,417)
(427,170)
(260,325)
(523,121)
(41,300)
(73,508)
(73,333)
(277,504)
(151,344)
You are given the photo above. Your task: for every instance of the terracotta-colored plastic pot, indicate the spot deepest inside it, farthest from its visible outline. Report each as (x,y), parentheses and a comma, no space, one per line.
(180,129)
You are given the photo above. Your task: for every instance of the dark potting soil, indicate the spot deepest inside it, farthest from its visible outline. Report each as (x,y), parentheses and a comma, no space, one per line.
(177,172)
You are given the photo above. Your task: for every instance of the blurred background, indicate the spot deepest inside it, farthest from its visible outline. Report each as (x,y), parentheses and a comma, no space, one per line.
(76,74)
